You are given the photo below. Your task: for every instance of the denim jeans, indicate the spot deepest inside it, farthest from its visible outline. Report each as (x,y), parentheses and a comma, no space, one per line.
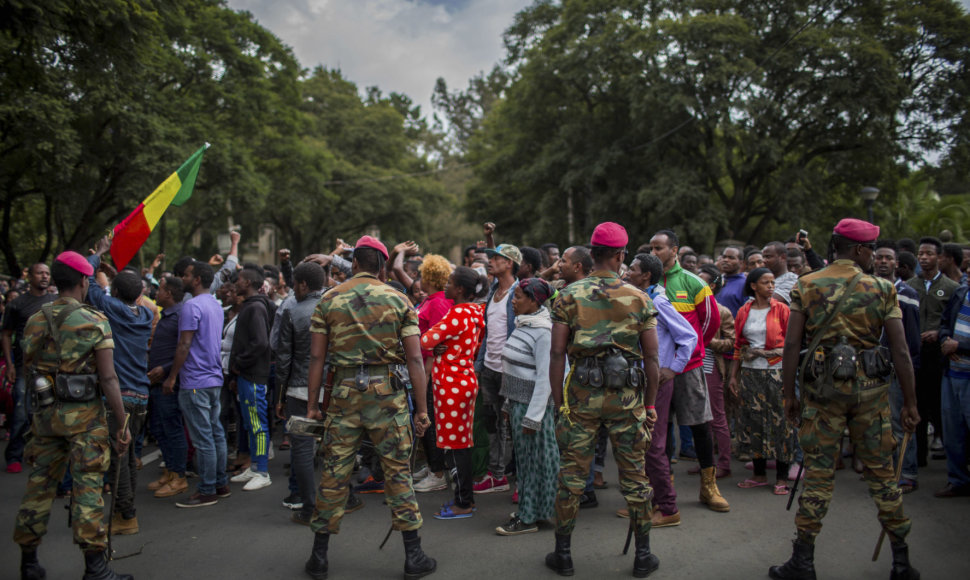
(302,450)
(123,468)
(956,424)
(165,422)
(910,470)
(252,403)
(20,422)
(200,409)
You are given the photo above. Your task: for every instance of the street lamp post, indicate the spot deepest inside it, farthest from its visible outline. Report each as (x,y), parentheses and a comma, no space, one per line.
(869,195)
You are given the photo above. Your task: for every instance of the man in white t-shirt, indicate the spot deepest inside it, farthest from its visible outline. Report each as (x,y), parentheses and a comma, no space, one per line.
(503,263)
(776,260)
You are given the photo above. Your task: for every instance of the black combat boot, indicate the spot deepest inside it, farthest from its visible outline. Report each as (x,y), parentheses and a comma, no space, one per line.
(417,564)
(901,567)
(645,562)
(561,560)
(801,566)
(96,568)
(30,568)
(316,566)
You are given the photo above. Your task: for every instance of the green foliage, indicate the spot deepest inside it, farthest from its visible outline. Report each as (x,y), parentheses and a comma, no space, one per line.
(103,100)
(720,118)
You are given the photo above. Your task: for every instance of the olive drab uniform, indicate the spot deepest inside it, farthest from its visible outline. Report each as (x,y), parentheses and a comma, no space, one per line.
(861,403)
(365,321)
(605,316)
(62,431)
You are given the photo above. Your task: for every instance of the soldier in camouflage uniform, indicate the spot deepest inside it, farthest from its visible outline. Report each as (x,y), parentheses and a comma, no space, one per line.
(592,319)
(74,432)
(861,403)
(360,327)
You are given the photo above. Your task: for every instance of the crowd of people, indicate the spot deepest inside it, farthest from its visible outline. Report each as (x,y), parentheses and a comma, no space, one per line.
(515,368)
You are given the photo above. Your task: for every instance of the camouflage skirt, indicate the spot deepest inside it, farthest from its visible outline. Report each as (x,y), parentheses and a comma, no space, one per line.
(763,432)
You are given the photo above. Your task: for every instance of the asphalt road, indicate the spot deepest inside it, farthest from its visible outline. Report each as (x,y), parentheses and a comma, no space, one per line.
(250,536)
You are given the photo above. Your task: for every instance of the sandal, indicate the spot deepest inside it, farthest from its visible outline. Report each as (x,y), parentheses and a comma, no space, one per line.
(781,489)
(446,513)
(750,484)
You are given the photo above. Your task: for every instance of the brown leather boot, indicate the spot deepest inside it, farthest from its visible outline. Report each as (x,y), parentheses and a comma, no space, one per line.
(122,527)
(176,485)
(710,495)
(155,485)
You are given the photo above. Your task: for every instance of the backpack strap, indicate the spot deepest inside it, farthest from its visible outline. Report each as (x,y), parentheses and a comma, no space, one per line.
(828,322)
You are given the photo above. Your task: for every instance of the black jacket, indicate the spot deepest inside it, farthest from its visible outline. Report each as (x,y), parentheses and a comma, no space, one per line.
(949,321)
(293,350)
(250,355)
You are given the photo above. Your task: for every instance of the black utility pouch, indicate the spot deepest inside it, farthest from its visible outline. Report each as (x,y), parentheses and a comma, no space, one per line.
(842,361)
(615,369)
(876,362)
(76,388)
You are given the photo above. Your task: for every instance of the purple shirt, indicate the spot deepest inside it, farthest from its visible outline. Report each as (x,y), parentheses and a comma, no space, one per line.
(676,338)
(203,367)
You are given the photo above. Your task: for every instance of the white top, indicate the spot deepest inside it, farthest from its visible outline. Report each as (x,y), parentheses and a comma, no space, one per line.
(498,329)
(756,330)
(784,284)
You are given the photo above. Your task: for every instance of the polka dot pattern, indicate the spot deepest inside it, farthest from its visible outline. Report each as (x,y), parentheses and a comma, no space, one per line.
(453,377)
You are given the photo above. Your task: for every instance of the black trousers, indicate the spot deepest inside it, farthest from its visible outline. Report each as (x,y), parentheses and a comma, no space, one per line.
(929,379)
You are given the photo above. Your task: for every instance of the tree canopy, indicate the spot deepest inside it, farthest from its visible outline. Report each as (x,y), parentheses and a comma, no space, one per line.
(721,118)
(103,100)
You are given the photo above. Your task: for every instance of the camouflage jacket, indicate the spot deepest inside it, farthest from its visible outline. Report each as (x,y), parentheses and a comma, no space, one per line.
(365,321)
(603,311)
(85,331)
(863,314)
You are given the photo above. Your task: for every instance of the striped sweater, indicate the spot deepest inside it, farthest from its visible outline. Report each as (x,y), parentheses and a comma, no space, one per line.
(693,299)
(525,365)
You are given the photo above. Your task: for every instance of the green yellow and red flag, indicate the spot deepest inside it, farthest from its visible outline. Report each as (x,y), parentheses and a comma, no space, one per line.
(128,236)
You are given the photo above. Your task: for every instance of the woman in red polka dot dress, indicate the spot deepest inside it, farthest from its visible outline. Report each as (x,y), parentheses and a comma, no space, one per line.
(455,340)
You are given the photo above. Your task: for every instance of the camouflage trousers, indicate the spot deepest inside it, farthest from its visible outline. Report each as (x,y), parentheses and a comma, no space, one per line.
(66,432)
(380,413)
(621,412)
(870,429)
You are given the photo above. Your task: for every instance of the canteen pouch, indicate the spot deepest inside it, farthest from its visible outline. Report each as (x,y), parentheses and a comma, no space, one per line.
(76,388)
(615,370)
(876,362)
(842,361)
(41,390)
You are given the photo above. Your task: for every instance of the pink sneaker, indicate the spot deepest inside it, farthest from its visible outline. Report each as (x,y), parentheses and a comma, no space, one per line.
(515,496)
(14,467)
(491,485)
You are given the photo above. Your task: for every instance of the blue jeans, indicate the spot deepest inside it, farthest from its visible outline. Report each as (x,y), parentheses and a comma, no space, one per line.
(20,422)
(910,469)
(200,408)
(252,403)
(956,424)
(166,425)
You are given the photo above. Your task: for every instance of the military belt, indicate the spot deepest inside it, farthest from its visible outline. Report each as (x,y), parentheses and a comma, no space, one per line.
(362,374)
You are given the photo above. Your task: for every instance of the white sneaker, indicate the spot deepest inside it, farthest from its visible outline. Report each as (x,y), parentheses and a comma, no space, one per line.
(245,476)
(258,481)
(431,483)
(420,474)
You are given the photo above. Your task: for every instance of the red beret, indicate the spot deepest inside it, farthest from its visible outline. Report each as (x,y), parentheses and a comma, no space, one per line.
(857,230)
(609,234)
(75,261)
(370,242)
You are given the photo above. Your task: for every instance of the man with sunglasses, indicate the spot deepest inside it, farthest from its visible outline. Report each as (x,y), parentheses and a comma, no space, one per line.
(841,311)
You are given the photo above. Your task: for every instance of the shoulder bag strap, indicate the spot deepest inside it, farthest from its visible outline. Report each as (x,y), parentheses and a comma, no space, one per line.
(828,322)
(54,324)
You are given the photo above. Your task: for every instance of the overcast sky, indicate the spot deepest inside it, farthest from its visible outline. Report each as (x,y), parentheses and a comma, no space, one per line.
(397,45)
